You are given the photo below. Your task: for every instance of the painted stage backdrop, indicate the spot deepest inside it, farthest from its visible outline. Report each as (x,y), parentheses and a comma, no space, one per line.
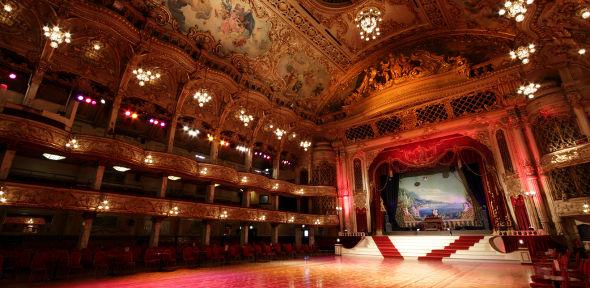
(425,195)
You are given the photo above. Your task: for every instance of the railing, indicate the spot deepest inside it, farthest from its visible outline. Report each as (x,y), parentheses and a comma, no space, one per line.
(451,224)
(539,232)
(351,234)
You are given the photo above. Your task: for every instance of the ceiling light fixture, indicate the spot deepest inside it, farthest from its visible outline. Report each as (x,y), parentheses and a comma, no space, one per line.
(191,132)
(56,36)
(280,132)
(523,53)
(121,168)
(173,178)
(515,9)
(103,205)
(529,90)
(53,157)
(245,118)
(174,211)
(72,143)
(585,13)
(582,51)
(305,145)
(367,21)
(242,148)
(145,76)
(202,96)
(2,195)
(8,8)
(148,159)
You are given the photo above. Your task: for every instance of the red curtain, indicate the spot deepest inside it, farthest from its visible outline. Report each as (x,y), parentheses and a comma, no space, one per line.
(520,212)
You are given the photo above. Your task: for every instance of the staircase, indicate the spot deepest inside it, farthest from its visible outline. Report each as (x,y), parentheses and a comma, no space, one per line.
(386,247)
(462,243)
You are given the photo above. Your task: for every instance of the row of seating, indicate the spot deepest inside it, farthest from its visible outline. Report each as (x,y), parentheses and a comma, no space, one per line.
(47,264)
(553,269)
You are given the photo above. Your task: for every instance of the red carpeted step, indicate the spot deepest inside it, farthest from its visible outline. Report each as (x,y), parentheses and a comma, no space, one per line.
(386,248)
(462,243)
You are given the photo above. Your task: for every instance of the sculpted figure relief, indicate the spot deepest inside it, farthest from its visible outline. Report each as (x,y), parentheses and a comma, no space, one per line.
(397,68)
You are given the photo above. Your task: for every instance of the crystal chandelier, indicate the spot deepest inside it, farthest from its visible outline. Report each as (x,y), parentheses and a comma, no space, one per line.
(368,22)
(523,53)
(145,76)
(529,90)
(202,96)
(56,36)
(515,9)
(245,118)
(305,145)
(279,132)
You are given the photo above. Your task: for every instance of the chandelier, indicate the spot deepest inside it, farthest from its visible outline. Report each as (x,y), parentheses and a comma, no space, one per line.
(2,195)
(73,143)
(523,53)
(174,211)
(223,215)
(103,205)
(280,132)
(7,13)
(305,145)
(245,118)
(56,36)
(145,76)
(368,22)
(202,96)
(585,13)
(191,132)
(529,90)
(515,9)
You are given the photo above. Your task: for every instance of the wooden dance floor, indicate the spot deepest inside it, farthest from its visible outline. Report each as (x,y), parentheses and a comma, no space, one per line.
(346,272)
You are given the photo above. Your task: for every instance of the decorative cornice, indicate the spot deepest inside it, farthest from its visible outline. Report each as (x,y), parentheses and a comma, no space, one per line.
(32,196)
(570,207)
(567,157)
(115,151)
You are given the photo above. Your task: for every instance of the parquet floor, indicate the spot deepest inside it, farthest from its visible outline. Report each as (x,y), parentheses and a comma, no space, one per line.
(346,272)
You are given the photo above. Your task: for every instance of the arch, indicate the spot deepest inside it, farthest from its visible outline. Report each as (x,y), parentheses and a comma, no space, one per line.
(440,152)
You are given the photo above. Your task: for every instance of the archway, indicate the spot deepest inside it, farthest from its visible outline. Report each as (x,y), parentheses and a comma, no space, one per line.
(465,158)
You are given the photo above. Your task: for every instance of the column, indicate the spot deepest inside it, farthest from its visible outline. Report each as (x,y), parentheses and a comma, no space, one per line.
(214,155)
(248,160)
(155,234)
(298,204)
(275,202)
(311,236)
(310,205)
(581,116)
(86,229)
(115,110)
(206,233)
(72,116)
(244,233)
(275,233)
(98,178)
(163,188)
(298,235)
(210,193)
(246,198)
(6,163)
(33,88)
(276,165)
(172,134)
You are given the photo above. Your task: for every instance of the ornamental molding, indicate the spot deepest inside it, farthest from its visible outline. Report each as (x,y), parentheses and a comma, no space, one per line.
(571,207)
(567,157)
(15,129)
(32,196)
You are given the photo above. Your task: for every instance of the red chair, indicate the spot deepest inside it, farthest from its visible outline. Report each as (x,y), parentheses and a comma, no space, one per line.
(288,248)
(75,262)
(190,255)
(268,252)
(101,261)
(39,266)
(127,261)
(234,253)
(150,258)
(248,253)
(278,250)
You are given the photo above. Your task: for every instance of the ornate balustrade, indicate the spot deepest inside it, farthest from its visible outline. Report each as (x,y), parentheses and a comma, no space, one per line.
(15,129)
(32,196)
(452,224)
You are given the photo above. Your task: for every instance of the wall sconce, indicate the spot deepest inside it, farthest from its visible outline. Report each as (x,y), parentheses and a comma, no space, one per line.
(72,143)
(204,171)
(148,159)
(291,219)
(174,211)
(2,195)
(223,215)
(262,218)
(103,205)
(586,208)
(276,186)
(244,179)
(317,222)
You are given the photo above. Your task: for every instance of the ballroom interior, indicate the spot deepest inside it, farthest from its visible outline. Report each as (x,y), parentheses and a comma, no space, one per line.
(284,143)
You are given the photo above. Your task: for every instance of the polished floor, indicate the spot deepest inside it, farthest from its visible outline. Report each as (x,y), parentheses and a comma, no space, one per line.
(347,272)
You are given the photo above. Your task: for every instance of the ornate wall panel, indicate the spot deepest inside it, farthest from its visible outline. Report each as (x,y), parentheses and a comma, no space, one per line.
(570,182)
(555,133)
(504,152)
(21,195)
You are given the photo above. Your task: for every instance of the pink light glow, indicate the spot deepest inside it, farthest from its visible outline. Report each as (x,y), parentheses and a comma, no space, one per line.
(127,113)
(151,120)
(12,76)
(80,98)
(93,102)
(88,100)
(162,124)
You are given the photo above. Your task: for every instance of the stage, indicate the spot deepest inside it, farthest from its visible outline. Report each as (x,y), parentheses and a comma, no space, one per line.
(330,271)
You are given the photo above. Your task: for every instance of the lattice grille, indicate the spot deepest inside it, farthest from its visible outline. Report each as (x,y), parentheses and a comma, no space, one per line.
(360,132)
(358,175)
(556,133)
(431,114)
(570,182)
(324,205)
(324,174)
(474,103)
(504,152)
(389,125)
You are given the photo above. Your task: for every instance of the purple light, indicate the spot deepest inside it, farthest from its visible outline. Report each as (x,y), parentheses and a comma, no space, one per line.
(12,76)
(162,124)
(93,102)
(152,120)
(88,100)
(80,98)
(156,122)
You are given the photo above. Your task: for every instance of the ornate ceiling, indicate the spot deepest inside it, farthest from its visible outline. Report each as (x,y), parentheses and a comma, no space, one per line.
(284,60)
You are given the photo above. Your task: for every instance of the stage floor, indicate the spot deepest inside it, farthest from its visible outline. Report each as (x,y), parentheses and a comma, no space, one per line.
(329,271)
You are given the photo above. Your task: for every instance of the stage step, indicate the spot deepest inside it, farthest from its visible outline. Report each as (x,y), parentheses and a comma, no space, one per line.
(386,247)
(461,243)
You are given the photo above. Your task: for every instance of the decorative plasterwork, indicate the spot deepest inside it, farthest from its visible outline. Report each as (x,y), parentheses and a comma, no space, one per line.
(567,157)
(31,196)
(115,151)
(570,207)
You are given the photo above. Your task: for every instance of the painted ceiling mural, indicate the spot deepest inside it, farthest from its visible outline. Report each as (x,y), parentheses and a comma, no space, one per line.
(292,68)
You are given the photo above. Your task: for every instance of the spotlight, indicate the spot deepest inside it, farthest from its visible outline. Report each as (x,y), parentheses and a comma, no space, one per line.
(12,76)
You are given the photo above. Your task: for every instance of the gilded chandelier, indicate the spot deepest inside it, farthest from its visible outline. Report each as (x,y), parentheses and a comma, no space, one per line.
(202,96)
(245,118)
(305,145)
(56,36)
(515,9)
(368,22)
(523,53)
(145,76)
(529,90)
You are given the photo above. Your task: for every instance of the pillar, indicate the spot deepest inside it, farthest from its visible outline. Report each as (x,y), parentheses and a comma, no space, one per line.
(115,110)
(248,160)
(298,235)
(6,163)
(246,198)
(214,155)
(98,178)
(155,234)
(72,115)
(310,205)
(86,229)
(244,234)
(210,193)
(275,233)
(276,166)
(33,88)
(163,188)
(298,204)
(275,202)
(206,233)
(311,236)
(172,134)
(581,116)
